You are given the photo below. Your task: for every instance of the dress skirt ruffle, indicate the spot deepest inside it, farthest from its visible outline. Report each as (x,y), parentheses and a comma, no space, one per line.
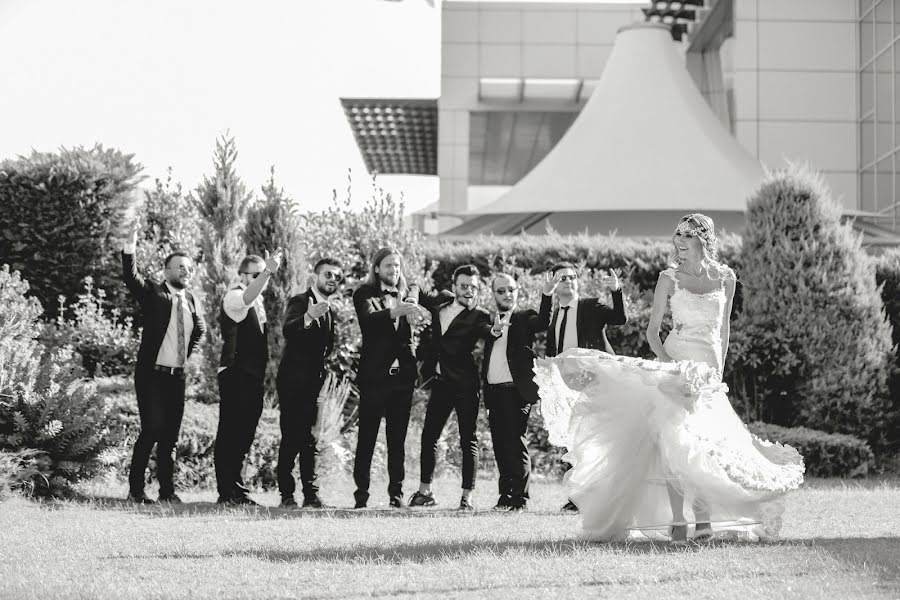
(632,426)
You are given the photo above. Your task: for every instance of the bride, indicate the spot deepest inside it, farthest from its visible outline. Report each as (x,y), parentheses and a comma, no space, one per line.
(648,438)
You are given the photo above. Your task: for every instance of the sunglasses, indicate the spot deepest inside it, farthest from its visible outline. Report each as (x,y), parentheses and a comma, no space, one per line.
(252,275)
(467,286)
(332,276)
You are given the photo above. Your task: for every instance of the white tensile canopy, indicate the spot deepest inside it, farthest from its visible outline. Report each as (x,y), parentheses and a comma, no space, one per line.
(645,141)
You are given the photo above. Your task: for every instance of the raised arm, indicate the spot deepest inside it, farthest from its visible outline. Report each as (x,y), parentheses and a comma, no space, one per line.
(614,315)
(294,324)
(730,284)
(664,288)
(434,299)
(135,283)
(367,312)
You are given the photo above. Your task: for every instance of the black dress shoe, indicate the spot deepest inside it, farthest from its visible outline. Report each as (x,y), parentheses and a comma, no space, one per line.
(503,503)
(360,504)
(569,507)
(517,506)
(420,499)
(288,502)
(140,499)
(171,499)
(397,502)
(237,501)
(313,502)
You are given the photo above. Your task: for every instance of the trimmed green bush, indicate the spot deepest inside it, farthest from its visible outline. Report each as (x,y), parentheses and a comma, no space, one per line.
(825,454)
(61,219)
(812,339)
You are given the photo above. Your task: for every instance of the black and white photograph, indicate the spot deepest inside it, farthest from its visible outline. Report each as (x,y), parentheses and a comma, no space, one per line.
(449,299)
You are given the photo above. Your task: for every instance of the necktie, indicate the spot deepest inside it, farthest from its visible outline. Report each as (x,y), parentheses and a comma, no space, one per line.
(562,330)
(179,326)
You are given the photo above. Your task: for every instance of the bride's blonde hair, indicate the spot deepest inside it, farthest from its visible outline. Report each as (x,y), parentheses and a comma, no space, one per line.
(701,227)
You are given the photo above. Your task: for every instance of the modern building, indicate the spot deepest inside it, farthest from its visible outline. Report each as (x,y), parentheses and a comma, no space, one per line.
(812,81)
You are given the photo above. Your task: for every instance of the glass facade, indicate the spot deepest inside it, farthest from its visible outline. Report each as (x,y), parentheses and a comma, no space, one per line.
(879,108)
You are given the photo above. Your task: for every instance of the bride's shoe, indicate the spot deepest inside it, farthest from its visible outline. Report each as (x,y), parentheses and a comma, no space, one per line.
(678,533)
(703,532)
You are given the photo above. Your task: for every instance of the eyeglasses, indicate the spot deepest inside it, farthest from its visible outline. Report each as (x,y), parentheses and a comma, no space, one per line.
(506,290)
(467,286)
(568,277)
(183,269)
(252,275)
(332,275)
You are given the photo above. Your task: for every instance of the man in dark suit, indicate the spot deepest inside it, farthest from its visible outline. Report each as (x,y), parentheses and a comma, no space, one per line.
(507,372)
(242,373)
(456,327)
(387,371)
(309,339)
(173,328)
(577,322)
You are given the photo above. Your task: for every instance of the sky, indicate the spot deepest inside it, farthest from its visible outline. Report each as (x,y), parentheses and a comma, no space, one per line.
(162,79)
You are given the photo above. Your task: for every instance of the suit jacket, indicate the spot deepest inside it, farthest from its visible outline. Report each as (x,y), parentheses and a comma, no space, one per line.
(156,305)
(593,317)
(382,343)
(305,349)
(452,349)
(523,325)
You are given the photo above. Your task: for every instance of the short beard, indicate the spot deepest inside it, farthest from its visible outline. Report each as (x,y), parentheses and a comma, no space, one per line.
(176,284)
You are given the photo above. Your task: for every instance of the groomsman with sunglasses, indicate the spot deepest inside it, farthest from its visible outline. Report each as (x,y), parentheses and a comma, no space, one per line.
(577,322)
(457,324)
(173,328)
(309,340)
(242,373)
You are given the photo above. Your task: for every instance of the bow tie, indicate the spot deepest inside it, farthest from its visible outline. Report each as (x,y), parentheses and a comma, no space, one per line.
(393,293)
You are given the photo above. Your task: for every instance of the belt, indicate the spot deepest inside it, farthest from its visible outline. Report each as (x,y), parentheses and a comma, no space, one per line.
(501,386)
(175,371)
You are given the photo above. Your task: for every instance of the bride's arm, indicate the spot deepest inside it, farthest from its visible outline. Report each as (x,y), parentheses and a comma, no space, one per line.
(726,318)
(664,288)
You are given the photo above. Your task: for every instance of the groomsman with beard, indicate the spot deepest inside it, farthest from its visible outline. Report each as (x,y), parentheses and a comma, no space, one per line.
(242,373)
(387,371)
(309,339)
(510,391)
(578,322)
(173,328)
(456,327)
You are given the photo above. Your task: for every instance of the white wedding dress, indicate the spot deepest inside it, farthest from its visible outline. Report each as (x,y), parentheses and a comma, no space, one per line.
(632,425)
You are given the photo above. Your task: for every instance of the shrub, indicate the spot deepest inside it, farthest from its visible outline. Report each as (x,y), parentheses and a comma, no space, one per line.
(272,222)
(61,219)
(221,202)
(887,276)
(825,454)
(106,343)
(812,338)
(47,411)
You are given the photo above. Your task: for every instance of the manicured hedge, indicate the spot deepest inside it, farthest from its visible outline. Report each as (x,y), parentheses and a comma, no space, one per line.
(825,454)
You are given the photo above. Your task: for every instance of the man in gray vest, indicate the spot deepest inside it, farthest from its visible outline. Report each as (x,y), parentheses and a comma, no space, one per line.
(242,373)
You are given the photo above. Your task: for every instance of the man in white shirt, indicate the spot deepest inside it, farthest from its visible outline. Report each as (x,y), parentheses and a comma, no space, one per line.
(509,390)
(242,373)
(172,330)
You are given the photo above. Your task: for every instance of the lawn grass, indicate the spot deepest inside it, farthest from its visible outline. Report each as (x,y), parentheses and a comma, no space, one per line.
(839,541)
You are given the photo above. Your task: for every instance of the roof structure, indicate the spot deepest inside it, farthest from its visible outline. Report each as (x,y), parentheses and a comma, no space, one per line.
(645,141)
(395,135)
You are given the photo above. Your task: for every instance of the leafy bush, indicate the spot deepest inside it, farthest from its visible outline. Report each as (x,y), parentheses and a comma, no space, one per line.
(812,339)
(221,201)
(47,410)
(272,222)
(825,454)
(61,219)
(887,276)
(106,343)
